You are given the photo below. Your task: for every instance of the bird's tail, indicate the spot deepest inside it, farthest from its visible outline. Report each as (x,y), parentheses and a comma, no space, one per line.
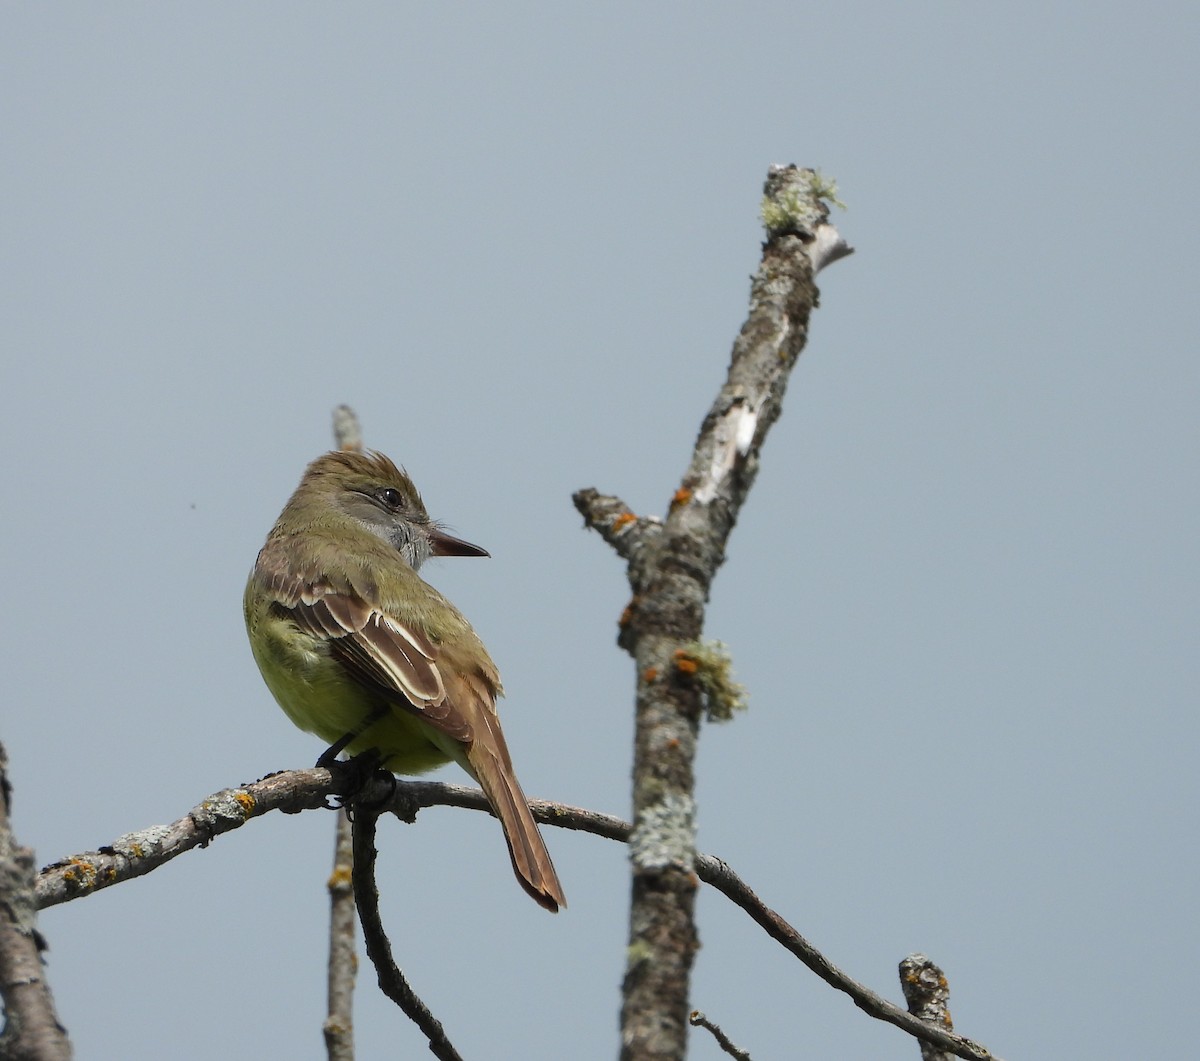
(492,767)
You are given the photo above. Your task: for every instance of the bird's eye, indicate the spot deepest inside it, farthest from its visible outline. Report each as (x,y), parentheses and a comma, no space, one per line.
(391,497)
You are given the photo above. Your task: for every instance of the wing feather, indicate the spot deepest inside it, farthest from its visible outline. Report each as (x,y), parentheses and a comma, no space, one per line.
(377,649)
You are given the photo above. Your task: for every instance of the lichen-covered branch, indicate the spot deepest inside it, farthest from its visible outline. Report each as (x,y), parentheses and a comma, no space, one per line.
(670,572)
(136,854)
(611,518)
(32,1031)
(927,992)
(343,949)
(299,790)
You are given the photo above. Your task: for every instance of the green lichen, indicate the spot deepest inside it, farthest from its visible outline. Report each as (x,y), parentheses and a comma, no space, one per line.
(825,188)
(637,953)
(713,672)
(792,208)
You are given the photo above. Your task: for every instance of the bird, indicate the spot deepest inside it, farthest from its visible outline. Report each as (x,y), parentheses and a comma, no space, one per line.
(358,649)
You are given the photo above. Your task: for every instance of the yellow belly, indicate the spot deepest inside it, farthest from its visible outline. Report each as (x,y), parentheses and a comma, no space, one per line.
(318,697)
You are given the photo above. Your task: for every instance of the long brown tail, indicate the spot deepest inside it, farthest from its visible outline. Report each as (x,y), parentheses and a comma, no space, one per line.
(492,767)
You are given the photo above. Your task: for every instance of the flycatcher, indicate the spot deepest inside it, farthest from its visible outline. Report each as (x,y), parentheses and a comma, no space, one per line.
(360,650)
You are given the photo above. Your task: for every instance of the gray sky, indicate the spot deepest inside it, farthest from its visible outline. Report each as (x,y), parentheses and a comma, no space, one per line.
(516,238)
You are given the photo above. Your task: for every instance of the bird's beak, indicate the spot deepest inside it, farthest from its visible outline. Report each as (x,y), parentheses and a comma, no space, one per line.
(443,544)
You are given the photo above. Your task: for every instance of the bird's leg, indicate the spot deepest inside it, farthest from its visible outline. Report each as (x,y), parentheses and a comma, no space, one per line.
(353,774)
(330,754)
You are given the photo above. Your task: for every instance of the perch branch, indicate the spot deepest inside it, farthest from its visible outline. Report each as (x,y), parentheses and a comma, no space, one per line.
(298,790)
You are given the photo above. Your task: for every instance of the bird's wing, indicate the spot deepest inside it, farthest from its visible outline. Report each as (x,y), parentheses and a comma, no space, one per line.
(392,657)
(377,649)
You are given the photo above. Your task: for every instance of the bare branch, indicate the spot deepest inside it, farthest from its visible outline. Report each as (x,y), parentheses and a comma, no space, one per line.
(391,980)
(305,789)
(718,874)
(715,872)
(699,1020)
(670,572)
(347,432)
(138,853)
(927,992)
(827,247)
(32,1031)
(343,957)
(611,518)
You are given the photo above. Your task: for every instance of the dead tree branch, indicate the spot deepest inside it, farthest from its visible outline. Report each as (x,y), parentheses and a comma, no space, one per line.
(137,854)
(670,566)
(32,1031)
(927,992)
(392,981)
(343,940)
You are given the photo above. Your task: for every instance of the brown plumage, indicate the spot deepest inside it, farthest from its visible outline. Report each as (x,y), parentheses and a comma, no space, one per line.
(351,640)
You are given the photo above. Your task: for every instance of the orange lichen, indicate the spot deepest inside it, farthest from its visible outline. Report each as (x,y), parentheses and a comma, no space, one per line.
(622,520)
(80,872)
(649,674)
(244,800)
(340,878)
(681,497)
(684,663)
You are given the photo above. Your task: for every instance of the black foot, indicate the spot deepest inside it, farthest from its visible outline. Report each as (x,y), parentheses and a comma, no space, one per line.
(329,757)
(388,779)
(351,776)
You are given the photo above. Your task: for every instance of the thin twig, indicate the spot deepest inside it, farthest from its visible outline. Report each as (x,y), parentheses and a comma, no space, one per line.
(343,957)
(715,872)
(698,1020)
(391,980)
